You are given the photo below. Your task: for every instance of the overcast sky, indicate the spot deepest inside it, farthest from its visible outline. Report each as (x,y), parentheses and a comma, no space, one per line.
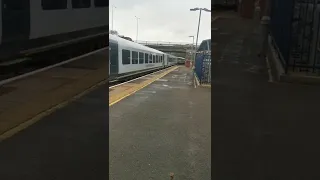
(161,20)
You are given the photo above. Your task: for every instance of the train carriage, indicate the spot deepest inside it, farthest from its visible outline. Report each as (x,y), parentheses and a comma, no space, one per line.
(28,25)
(127,58)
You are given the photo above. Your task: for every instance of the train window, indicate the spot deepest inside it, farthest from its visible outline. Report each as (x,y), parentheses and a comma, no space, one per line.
(54,4)
(101,3)
(141,58)
(157,60)
(153,59)
(16,5)
(77,4)
(125,56)
(134,57)
(150,58)
(161,59)
(146,60)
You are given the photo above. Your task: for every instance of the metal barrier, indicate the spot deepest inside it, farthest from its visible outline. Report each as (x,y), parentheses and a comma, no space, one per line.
(203,67)
(294,28)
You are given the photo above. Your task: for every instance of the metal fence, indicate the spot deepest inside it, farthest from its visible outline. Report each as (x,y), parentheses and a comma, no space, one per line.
(203,67)
(295,32)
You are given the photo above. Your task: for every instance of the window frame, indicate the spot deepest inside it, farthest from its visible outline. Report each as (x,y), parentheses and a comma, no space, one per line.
(135,61)
(53,9)
(100,6)
(141,62)
(73,7)
(127,56)
(146,58)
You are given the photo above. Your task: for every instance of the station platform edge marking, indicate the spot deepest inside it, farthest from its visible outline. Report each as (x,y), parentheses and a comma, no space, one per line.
(144,85)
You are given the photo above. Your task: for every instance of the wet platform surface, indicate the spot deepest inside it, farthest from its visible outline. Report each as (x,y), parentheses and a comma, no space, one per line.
(260,130)
(120,91)
(23,99)
(71,143)
(162,128)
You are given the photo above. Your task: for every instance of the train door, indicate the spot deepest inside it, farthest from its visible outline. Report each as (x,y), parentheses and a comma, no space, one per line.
(166,60)
(15,20)
(113,58)
(163,60)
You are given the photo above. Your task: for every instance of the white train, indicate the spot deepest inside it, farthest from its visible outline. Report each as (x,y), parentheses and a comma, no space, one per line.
(127,58)
(27,25)
(181,60)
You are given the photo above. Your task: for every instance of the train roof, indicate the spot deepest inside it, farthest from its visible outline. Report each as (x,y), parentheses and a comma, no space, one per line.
(130,44)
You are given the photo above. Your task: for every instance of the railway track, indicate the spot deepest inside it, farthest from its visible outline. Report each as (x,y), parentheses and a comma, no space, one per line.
(18,68)
(121,80)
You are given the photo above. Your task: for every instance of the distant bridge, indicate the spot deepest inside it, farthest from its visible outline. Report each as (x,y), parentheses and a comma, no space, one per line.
(175,48)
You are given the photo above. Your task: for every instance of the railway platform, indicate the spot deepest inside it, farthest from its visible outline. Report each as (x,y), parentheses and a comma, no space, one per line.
(160,124)
(261,128)
(26,100)
(70,143)
(53,123)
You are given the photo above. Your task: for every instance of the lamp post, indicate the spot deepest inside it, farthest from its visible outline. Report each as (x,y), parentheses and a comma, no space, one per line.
(192,49)
(137,28)
(201,9)
(112,16)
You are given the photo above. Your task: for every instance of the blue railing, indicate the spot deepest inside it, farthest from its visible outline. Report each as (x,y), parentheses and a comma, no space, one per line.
(294,29)
(203,67)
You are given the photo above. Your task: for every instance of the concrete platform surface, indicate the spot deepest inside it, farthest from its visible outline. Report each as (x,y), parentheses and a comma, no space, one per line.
(23,99)
(260,130)
(120,91)
(71,143)
(162,128)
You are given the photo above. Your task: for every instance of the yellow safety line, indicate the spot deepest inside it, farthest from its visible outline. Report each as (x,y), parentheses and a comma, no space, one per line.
(160,76)
(206,85)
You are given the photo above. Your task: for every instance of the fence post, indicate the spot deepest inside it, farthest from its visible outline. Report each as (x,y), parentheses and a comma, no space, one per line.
(265,21)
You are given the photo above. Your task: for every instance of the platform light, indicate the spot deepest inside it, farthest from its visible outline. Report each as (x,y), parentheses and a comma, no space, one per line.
(137,28)
(192,50)
(112,17)
(207,10)
(196,9)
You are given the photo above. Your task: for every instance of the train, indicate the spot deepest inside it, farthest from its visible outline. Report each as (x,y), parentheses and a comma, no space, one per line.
(181,61)
(27,26)
(127,58)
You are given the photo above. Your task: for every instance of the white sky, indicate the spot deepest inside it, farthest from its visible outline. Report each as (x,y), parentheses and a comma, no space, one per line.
(161,20)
